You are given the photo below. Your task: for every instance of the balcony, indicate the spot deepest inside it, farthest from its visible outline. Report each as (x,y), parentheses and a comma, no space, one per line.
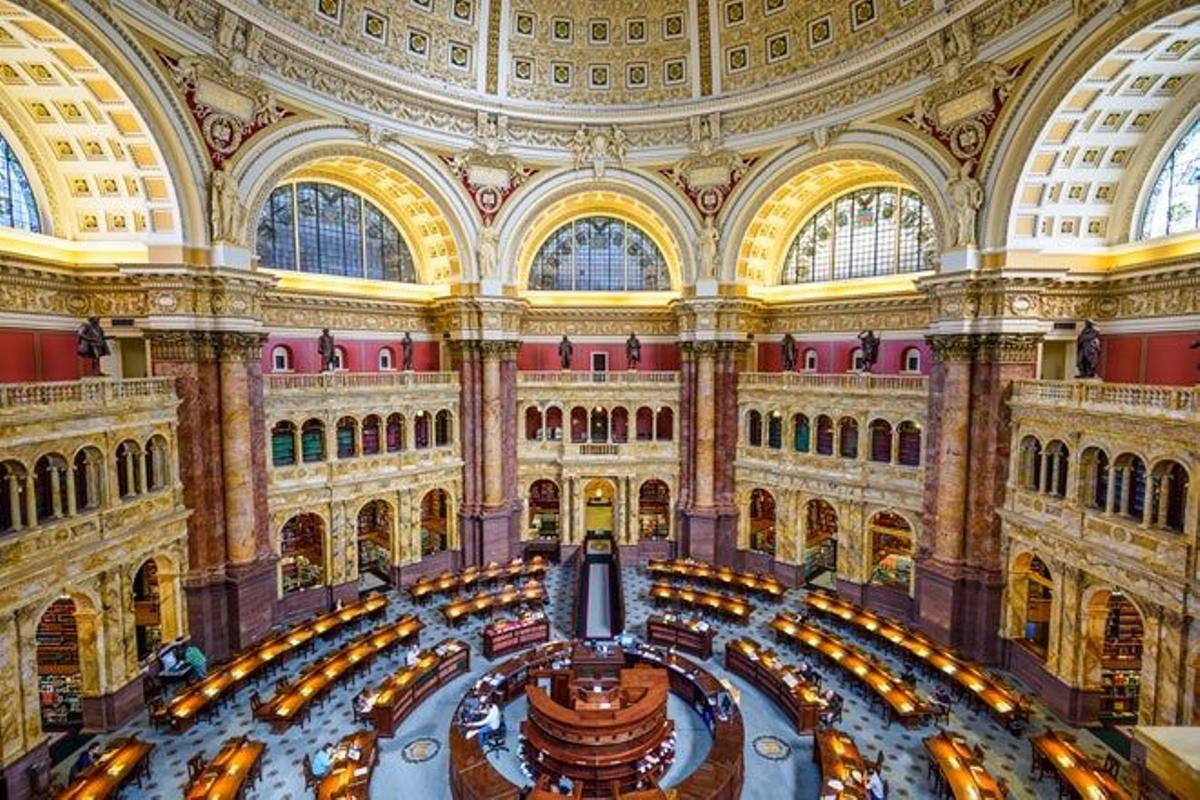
(93,397)
(1173,402)
(330,394)
(357,381)
(628,378)
(858,382)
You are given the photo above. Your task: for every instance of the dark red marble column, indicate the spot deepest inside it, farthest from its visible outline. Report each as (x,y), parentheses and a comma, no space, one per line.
(725,423)
(466,360)
(959,568)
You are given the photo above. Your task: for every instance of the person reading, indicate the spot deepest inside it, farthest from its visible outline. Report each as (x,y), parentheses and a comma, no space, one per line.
(322,762)
(488,724)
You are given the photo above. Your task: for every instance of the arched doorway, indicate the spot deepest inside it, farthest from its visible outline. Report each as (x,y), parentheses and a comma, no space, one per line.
(820,540)
(375,541)
(65,638)
(762,522)
(1033,596)
(598,507)
(654,510)
(153,609)
(545,510)
(435,519)
(302,553)
(891,541)
(1112,655)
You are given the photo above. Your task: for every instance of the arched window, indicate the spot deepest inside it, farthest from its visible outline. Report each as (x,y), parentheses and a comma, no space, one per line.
(12,496)
(891,543)
(89,479)
(881,441)
(824,436)
(910,360)
(1129,486)
(50,486)
(1174,205)
(18,209)
(370,435)
(664,424)
(1029,468)
(775,430)
(762,522)
(387,359)
(554,424)
(599,425)
(545,509)
(347,436)
(619,421)
(281,359)
(878,230)
(312,441)
(435,522)
(533,424)
(322,228)
(441,428)
(421,430)
(302,553)
(848,444)
(644,424)
(754,429)
(801,433)
(1168,498)
(283,444)
(129,469)
(908,445)
(158,467)
(1056,458)
(811,362)
(395,433)
(599,254)
(579,424)
(340,360)
(1093,484)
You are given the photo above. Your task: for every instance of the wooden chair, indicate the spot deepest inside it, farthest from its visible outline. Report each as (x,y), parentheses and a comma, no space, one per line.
(1112,765)
(256,702)
(158,713)
(282,685)
(195,767)
(310,780)
(977,751)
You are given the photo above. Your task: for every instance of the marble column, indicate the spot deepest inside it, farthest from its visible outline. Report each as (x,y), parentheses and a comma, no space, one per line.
(959,562)
(493,477)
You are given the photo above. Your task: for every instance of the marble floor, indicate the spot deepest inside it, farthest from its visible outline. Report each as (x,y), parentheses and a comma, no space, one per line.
(414,764)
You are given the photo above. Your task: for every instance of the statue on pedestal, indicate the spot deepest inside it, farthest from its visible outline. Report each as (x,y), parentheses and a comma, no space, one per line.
(966,196)
(406,352)
(870,349)
(1087,351)
(92,344)
(225,207)
(565,351)
(633,351)
(489,251)
(326,350)
(789,352)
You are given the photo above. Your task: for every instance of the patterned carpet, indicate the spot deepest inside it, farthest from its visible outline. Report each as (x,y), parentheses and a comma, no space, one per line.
(414,764)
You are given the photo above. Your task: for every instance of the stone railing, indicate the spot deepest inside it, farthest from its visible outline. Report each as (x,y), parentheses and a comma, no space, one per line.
(570,376)
(95,393)
(1126,398)
(357,380)
(852,381)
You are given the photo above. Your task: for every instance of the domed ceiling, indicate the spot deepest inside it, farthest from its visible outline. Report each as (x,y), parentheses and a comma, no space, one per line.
(550,64)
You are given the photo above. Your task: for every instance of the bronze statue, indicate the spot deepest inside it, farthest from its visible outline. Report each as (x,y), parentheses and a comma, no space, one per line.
(92,344)
(870,349)
(789,352)
(565,350)
(1087,351)
(406,352)
(633,351)
(326,351)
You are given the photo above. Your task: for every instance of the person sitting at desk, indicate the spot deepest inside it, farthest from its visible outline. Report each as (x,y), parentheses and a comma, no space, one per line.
(489,724)
(941,696)
(196,659)
(169,660)
(363,703)
(875,790)
(322,762)
(411,655)
(88,756)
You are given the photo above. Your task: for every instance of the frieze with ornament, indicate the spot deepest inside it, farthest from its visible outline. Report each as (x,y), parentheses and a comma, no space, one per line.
(489,179)
(598,322)
(224,131)
(961,115)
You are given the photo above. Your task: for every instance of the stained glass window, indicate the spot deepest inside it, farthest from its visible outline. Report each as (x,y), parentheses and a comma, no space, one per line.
(329,230)
(878,230)
(599,254)
(1174,205)
(18,209)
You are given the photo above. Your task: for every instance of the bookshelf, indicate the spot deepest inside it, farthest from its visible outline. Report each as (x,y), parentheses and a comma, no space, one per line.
(59,680)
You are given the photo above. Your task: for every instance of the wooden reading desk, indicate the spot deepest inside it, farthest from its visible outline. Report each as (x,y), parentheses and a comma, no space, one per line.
(727,606)
(840,760)
(289,704)
(124,761)
(902,702)
(402,692)
(964,775)
(473,576)
(1002,702)
(794,695)
(766,586)
(1075,769)
(504,636)
(689,635)
(350,778)
(532,593)
(226,777)
(227,679)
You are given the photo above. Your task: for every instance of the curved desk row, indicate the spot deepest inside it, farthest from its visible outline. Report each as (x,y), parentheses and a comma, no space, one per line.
(689,635)
(532,593)
(767,586)
(400,694)
(125,760)
(902,702)
(227,679)
(290,703)
(1002,702)
(794,695)
(719,777)
(472,576)
(732,607)
(840,761)
(354,761)
(235,767)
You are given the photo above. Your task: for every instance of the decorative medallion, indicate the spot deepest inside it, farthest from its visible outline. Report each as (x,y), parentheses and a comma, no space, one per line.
(820,32)
(672,26)
(420,750)
(674,71)
(522,70)
(637,75)
(462,11)
(488,174)
(375,26)
(561,30)
(523,24)
(460,55)
(330,10)
(635,31)
(862,13)
(772,748)
(737,59)
(598,31)
(779,47)
(709,175)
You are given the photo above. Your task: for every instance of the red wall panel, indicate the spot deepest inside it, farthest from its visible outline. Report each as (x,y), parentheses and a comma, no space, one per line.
(1154,358)
(541,356)
(59,360)
(19,363)
(29,356)
(362,354)
(834,356)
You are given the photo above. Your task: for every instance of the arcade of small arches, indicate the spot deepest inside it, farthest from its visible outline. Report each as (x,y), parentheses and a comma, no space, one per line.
(825,435)
(312,441)
(599,425)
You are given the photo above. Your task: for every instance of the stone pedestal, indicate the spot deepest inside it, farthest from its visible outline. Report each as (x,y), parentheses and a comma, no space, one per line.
(208,613)
(251,601)
(1077,706)
(110,711)
(17,779)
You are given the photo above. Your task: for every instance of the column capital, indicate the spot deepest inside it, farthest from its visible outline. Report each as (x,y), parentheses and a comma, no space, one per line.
(192,345)
(995,348)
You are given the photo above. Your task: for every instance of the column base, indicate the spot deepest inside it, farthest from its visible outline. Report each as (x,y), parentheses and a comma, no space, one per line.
(252,590)
(496,532)
(1077,706)
(709,534)
(886,599)
(110,711)
(19,779)
(208,611)
(408,574)
(792,575)
(959,605)
(300,604)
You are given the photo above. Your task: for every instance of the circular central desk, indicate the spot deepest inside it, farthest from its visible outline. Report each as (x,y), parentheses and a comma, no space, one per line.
(718,777)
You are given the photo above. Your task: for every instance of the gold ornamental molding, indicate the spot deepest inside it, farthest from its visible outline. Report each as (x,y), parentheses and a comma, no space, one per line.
(993,348)
(893,313)
(290,309)
(718,318)
(469,318)
(592,321)
(29,290)
(187,345)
